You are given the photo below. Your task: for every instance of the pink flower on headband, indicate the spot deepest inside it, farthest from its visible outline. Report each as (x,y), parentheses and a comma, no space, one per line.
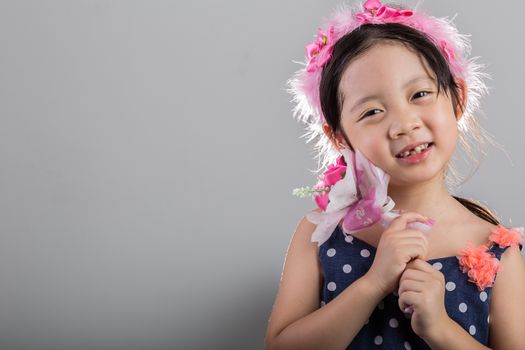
(447,50)
(378,11)
(320,51)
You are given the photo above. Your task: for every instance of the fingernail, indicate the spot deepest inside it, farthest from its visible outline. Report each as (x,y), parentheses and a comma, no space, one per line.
(430,221)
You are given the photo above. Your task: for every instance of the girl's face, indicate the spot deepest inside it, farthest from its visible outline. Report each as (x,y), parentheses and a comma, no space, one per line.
(390,101)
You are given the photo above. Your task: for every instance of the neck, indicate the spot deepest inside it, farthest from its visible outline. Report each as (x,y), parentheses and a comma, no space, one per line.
(430,198)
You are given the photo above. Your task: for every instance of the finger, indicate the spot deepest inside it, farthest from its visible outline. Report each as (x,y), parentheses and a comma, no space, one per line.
(408,298)
(413,248)
(412,232)
(415,275)
(402,220)
(414,237)
(421,265)
(409,310)
(411,286)
(425,268)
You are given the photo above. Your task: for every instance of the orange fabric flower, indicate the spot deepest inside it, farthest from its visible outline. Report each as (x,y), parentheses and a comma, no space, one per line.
(506,237)
(481,266)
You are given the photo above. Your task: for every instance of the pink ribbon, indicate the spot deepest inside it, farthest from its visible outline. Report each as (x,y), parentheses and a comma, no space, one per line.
(376,10)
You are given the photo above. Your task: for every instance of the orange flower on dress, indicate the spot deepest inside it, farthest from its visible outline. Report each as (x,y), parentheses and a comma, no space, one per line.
(506,237)
(480,265)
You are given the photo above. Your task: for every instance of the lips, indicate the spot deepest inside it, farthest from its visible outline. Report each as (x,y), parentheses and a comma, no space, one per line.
(411,147)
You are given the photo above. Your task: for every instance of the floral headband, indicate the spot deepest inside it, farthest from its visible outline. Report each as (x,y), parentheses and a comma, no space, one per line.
(304,86)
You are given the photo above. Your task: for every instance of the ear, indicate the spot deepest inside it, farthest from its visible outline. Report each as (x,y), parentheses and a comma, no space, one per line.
(337,139)
(463,95)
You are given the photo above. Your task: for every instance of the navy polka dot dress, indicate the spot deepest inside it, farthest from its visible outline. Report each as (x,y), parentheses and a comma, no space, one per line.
(346,258)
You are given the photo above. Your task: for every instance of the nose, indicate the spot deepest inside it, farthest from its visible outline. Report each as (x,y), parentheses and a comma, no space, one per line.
(403,123)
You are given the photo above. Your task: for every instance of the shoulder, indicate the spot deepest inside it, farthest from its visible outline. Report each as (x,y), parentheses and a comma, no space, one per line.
(302,236)
(301,250)
(480,231)
(468,226)
(508,295)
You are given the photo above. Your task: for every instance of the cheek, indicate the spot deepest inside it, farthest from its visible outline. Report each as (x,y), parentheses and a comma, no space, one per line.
(369,143)
(446,130)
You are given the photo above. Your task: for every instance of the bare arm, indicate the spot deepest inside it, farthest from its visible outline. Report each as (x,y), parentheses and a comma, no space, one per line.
(507,306)
(296,321)
(455,337)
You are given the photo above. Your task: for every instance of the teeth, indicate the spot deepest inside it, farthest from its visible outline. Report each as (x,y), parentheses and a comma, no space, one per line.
(416,150)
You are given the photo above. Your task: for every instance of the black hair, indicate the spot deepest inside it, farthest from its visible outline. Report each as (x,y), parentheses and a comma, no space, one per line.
(358,42)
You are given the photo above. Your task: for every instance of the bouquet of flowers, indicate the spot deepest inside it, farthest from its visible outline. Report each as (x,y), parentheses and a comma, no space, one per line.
(355,194)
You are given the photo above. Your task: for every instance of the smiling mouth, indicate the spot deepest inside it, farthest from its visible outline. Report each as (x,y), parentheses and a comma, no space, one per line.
(417,150)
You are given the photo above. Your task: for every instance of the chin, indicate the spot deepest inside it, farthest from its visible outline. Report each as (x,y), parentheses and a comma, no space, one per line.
(414,176)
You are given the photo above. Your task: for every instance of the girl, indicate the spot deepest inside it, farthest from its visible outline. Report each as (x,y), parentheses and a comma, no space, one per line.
(391,259)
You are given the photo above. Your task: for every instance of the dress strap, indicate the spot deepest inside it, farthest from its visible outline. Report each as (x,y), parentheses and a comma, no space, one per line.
(497,250)
(482,263)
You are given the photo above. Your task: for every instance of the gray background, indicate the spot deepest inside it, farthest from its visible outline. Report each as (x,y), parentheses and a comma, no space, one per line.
(148,154)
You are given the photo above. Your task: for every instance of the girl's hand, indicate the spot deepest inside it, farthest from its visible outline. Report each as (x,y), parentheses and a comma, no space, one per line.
(422,294)
(397,246)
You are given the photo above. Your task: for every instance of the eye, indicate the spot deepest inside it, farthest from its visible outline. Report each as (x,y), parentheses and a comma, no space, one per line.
(421,94)
(371,112)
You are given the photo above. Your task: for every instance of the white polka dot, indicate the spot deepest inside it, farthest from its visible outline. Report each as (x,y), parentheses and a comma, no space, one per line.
(347,268)
(483,296)
(393,323)
(463,307)
(381,305)
(365,253)
(378,340)
(408,346)
(437,265)
(472,330)
(322,303)
(331,286)
(450,286)
(349,239)
(330,252)
(488,319)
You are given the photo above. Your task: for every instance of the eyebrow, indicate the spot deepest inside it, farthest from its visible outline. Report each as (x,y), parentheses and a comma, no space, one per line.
(374,97)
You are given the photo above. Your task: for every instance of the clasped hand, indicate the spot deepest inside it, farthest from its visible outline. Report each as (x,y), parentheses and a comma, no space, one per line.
(399,264)
(422,294)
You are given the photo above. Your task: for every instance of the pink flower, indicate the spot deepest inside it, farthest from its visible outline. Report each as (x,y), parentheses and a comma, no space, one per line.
(372,5)
(448,51)
(335,172)
(321,201)
(320,51)
(379,12)
(506,237)
(480,265)
(332,175)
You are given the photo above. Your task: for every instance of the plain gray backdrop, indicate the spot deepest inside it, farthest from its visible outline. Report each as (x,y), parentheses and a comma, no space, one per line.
(148,154)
